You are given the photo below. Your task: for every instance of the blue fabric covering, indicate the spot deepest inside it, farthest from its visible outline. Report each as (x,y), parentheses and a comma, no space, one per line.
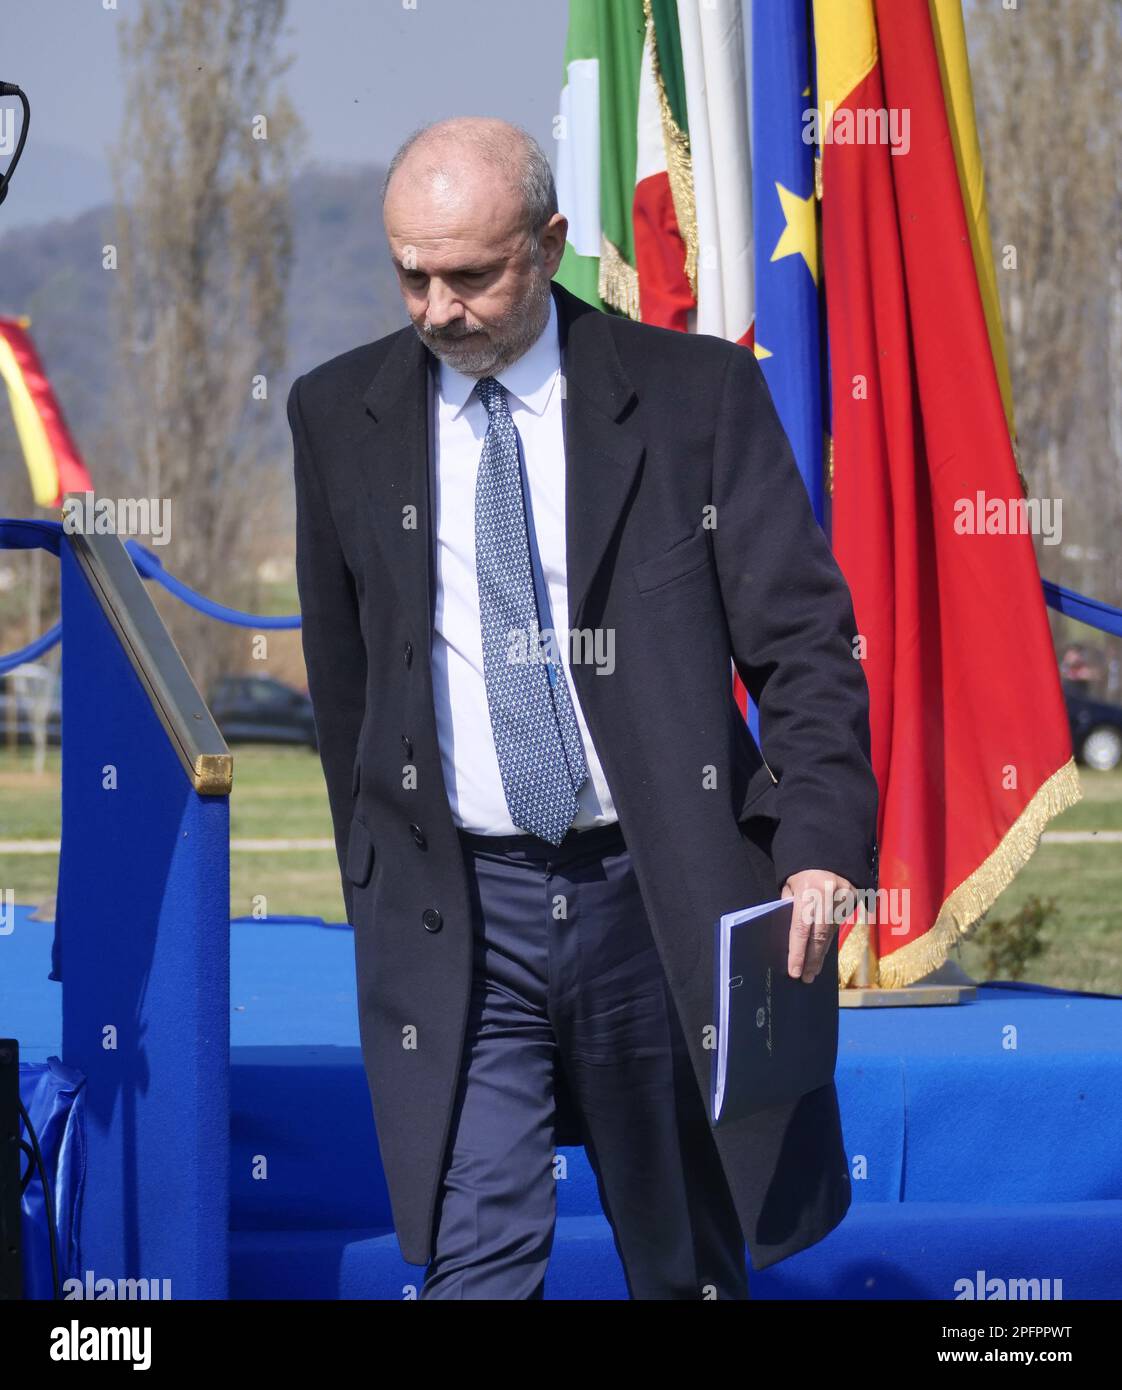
(54,1099)
(143,931)
(881,1251)
(30,1003)
(982,1137)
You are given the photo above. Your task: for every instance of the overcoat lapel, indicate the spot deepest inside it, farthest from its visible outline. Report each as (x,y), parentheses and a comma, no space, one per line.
(602,453)
(394,475)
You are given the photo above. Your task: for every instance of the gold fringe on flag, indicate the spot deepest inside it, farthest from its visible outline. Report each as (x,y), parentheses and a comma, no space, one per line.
(976,894)
(679,164)
(618,282)
(852,953)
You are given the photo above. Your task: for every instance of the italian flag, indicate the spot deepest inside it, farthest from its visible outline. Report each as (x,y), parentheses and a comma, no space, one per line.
(653,167)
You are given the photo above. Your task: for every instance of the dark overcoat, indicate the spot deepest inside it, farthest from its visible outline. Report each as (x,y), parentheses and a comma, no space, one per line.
(691,540)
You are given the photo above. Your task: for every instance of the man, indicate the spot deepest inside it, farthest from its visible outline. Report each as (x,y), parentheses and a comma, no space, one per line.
(532,538)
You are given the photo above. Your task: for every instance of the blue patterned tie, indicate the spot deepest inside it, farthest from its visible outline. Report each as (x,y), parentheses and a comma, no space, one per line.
(537,740)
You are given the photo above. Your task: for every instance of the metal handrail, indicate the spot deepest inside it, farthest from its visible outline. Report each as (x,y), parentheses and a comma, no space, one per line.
(156,659)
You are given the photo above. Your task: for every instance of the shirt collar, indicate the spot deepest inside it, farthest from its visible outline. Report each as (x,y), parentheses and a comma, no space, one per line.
(529,379)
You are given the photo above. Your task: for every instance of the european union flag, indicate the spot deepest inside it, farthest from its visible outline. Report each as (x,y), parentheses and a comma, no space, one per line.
(788,328)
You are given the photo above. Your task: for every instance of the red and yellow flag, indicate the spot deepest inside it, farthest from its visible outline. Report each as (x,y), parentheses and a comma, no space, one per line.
(53,461)
(970,738)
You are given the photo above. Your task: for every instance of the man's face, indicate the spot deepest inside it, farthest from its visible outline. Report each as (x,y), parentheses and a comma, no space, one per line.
(475,292)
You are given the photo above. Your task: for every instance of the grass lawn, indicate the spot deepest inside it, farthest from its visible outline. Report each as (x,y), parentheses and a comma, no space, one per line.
(279,792)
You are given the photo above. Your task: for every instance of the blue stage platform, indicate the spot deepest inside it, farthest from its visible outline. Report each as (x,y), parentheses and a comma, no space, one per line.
(984,1139)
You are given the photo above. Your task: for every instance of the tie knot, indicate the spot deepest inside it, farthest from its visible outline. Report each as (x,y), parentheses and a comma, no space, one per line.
(492,393)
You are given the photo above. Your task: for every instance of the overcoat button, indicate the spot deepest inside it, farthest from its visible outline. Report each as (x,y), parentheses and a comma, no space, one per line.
(407,745)
(432,919)
(408,653)
(418,836)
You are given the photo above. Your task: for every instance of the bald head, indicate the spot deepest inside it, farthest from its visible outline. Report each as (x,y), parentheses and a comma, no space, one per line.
(471,218)
(480,148)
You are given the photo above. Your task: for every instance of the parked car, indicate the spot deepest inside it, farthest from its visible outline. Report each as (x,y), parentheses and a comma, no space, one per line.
(1096,730)
(30,691)
(259,709)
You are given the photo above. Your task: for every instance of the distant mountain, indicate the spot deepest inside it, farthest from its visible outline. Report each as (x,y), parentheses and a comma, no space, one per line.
(342,292)
(52,181)
(52,273)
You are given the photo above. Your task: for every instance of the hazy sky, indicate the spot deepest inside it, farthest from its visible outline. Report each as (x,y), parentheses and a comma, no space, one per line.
(366,72)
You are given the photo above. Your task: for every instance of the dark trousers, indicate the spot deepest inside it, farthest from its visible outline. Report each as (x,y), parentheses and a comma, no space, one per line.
(567,974)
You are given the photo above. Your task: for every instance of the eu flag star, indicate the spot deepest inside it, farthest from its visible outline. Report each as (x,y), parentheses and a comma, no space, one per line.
(800,235)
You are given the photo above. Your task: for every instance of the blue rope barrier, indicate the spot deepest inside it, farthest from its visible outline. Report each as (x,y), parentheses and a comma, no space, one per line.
(29,533)
(43,643)
(151,567)
(1091,611)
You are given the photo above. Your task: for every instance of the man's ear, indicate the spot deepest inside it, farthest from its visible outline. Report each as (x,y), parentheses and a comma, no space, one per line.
(552,243)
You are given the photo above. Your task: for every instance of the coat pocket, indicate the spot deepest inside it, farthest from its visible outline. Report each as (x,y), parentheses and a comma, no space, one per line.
(683,558)
(360,853)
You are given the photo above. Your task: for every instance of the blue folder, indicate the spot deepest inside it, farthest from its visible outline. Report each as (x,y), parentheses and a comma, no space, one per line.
(777,1038)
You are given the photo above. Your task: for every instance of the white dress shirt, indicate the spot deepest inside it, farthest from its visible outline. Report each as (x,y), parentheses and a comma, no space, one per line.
(463,721)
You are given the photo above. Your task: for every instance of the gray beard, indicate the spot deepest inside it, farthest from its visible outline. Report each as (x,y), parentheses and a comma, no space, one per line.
(475,355)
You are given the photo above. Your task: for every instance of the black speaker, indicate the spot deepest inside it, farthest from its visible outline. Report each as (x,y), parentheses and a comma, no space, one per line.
(11,1281)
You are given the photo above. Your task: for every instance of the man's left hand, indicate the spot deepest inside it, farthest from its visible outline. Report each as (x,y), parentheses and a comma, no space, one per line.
(817,894)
